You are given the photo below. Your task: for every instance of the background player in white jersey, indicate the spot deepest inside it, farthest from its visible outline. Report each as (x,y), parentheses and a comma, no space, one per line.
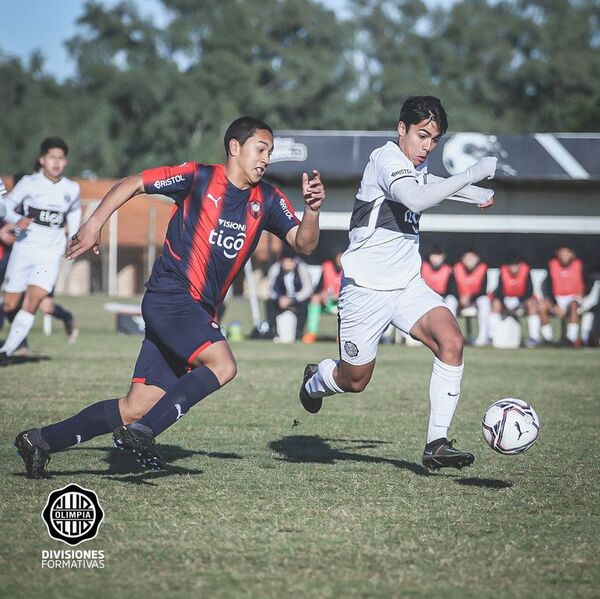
(382,282)
(48,202)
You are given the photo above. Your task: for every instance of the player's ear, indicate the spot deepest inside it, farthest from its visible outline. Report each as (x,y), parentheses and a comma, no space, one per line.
(401,128)
(234,147)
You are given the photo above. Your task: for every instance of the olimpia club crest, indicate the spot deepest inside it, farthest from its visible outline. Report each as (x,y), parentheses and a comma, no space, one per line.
(72,514)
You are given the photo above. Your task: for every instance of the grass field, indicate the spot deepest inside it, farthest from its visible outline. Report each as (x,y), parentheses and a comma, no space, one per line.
(264,500)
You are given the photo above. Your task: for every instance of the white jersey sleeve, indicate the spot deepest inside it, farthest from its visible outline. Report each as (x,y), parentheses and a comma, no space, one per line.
(470,195)
(417,198)
(14,200)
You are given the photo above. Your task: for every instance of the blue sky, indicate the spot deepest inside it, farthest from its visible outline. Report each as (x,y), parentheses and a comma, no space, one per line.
(27,25)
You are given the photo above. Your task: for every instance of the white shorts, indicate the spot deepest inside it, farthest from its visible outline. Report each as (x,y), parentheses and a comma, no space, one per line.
(512,303)
(564,300)
(31,266)
(364,315)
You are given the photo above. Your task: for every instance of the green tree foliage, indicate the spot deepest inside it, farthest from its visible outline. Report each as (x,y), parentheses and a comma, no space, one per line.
(146,95)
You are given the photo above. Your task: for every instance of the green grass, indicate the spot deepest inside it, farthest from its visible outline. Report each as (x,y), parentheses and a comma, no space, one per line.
(336,506)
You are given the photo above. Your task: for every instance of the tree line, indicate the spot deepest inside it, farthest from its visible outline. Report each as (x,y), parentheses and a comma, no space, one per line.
(144,95)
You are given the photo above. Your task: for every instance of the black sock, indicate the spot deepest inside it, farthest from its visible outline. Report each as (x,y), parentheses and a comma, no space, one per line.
(62,314)
(187,391)
(98,419)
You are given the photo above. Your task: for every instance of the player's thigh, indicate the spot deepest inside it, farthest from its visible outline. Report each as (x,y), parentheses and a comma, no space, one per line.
(138,401)
(20,265)
(413,304)
(439,331)
(45,273)
(363,316)
(180,324)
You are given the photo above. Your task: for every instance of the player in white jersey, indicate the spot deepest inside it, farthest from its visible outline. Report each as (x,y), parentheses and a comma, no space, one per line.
(382,282)
(48,201)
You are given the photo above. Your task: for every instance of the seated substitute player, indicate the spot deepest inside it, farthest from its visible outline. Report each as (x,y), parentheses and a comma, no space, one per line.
(219,214)
(437,273)
(515,292)
(48,201)
(470,276)
(563,289)
(382,282)
(325,296)
(290,287)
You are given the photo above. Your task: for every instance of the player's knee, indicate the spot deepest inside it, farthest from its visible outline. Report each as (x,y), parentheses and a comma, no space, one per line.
(225,371)
(451,348)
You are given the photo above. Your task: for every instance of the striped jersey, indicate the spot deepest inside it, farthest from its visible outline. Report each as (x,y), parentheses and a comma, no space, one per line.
(384,234)
(213,230)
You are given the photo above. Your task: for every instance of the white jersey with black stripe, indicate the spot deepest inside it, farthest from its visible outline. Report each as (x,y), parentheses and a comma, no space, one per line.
(384,234)
(51,203)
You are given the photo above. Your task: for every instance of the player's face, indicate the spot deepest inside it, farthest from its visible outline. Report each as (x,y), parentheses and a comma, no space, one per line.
(53,163)
(470,260)
(254,156)
(437,259)
(418,141)
(287,264)
(565,255)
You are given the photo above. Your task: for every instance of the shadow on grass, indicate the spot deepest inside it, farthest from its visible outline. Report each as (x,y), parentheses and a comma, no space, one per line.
(316,450)
(20,360)
(485,483)
(122,467)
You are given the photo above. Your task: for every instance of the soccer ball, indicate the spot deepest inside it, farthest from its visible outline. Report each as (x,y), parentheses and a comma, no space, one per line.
(510,426)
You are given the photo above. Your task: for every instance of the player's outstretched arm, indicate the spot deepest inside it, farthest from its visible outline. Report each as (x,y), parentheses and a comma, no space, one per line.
(88,236)
(305,237)
(420,197)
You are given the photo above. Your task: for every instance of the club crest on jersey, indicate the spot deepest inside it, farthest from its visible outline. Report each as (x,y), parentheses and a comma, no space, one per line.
(255,208)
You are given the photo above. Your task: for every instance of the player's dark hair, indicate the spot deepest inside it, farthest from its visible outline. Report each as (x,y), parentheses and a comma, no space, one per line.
(421,108)
(436,249)
(243,128)
(53,142)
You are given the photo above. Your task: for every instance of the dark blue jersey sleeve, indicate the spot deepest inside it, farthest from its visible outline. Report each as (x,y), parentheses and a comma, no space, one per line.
(174,182)
(281,216)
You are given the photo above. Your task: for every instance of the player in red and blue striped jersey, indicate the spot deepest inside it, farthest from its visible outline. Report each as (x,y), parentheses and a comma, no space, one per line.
(219,213)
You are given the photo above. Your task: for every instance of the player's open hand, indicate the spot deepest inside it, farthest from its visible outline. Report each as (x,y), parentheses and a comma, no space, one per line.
(487,203)
(88,237)
(313,191)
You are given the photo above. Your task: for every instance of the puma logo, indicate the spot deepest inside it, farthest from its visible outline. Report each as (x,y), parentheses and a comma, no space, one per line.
(521,433)
(180,413)
(213,199)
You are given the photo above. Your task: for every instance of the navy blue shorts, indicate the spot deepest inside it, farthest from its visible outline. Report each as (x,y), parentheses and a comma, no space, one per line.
(178,328)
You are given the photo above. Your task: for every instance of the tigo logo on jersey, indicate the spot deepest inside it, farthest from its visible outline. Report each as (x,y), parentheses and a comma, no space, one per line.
(165,182)
(231,245)
(72,514)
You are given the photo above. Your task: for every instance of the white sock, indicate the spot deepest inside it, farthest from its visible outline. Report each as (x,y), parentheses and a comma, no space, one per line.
(495,318)
(484,307)
(533,326)
(444,393)
(587,322)
(547,332)
(573,331)
(452,303)
(322,384)
(19,329)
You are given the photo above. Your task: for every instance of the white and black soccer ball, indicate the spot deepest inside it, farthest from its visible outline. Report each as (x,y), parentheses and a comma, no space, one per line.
(510,426)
